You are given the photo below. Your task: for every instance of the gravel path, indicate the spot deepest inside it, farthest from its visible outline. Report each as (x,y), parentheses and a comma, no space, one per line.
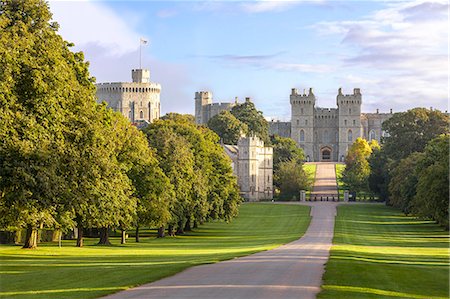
(292,271)
(325,182)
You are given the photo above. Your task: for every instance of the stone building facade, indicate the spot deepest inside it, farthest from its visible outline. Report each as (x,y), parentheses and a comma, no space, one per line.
(325,134)
(253,166)
(139,101)
(205,109)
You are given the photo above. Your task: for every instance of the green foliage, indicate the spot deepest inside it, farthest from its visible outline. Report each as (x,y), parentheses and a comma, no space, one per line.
(195,163)
(410,131)
(254,119)
(357,170)
(288,173)
(49,272)
(379,174)
(402,187)
(228,127)
(380,253)
(432,197)
(292,178)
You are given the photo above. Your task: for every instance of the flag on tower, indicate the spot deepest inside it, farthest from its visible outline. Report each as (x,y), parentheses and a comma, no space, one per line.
(144,41)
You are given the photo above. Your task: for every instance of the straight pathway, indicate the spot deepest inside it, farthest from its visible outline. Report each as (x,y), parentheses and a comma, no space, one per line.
(290,271)
(325,182)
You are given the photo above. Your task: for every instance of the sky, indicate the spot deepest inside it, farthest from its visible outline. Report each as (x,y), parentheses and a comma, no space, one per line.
(396,51)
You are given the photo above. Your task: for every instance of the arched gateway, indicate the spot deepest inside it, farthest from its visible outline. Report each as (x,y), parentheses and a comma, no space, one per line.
(325,153)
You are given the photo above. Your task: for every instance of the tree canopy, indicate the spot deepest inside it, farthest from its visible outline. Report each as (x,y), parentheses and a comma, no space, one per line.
(246,113)
(228,127)
(410,131)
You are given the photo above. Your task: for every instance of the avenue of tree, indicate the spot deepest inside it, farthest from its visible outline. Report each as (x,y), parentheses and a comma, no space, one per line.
(66,161)
(410,170)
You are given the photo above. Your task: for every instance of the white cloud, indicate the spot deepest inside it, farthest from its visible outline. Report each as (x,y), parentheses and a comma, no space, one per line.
(399,53)
(95,23)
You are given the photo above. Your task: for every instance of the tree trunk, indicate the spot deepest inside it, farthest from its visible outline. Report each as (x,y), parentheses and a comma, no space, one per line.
(18,236)
(123,239)
(161,232)
(80,236)
(195,224)
(57,233)
(137,234)
(180,228)
(104,236)
(31,238)
(170,230)
(187,226)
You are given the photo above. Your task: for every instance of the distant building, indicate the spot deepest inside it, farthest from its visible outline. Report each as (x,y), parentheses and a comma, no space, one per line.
(205,109)
(325,134)
(139,101)
(253,166)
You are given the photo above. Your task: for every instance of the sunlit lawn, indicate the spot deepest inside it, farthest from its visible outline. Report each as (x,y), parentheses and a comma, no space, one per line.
(92,271)
(380,253)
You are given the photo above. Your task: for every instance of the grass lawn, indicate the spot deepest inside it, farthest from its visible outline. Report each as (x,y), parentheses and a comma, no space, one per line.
(93,271)
(380,253)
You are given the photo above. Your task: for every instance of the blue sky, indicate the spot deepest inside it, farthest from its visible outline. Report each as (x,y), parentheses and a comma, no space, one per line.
(395,51)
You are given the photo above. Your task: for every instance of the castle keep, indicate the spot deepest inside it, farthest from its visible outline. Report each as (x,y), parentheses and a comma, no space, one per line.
(139,101)
(325,134)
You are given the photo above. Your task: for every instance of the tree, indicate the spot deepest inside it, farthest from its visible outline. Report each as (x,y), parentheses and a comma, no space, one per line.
(410,131)
(379,174)
(285,150)
(42,83)
(357,169)
(254,119)
(292,179)
(228,127)
(402,186)
(432,197)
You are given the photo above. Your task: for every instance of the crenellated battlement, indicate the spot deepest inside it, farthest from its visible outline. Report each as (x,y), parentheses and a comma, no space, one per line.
(343,99)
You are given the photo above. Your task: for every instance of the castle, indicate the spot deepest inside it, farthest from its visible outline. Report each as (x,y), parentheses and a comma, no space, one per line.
(139,101)
(325,134)
(252,163)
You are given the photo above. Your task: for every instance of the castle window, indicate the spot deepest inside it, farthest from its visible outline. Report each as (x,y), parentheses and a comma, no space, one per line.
(149,111)
(306,122)
(302,135)
(372,135)
(325,136)
(354,122)
(350,111)
(141,114)
(345,122)
(350,136)
(298,122)
(301,110)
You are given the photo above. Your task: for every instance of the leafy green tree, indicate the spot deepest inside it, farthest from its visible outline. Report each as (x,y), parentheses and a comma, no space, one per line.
(410,131)
(402,186)
(292,179)
(379,174)
(43,85)
(285,150)
(254,119)
(228,127)
(357,170)
(432,197)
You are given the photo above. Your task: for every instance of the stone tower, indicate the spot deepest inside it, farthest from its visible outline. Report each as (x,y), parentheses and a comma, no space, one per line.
(139,100)
(202,99)
(302,121)
(349,107)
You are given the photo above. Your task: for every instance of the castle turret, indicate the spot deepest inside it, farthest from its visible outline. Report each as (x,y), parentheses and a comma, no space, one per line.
(349,107)
(302,120)
(202,98)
